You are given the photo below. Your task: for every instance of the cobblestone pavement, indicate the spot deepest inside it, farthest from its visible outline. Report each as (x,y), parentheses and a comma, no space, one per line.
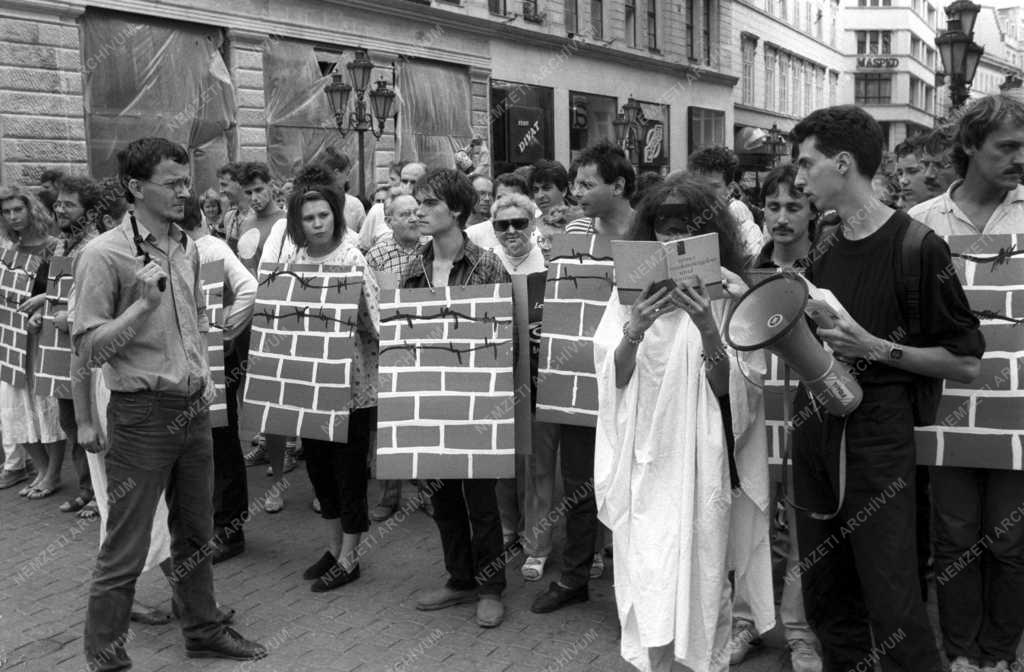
(370,625)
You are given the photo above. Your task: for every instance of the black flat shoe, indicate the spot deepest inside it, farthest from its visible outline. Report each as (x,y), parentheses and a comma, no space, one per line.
(317,569)
(557,597)
(335,577)
(222,552)
(228,644)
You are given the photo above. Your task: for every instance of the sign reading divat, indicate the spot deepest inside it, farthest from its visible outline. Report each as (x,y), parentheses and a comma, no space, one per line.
(446,405)
(17,273)
(212,278)
(579,284)
(300,357)
(52,368)
(981,424)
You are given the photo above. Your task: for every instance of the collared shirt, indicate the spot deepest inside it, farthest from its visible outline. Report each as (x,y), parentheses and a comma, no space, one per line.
(946,218)
(472,266)
(166,351)
(71,245)
(764,258)
(389,257)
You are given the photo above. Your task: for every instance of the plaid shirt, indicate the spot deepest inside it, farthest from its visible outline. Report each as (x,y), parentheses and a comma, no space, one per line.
(473,266)
(388,256)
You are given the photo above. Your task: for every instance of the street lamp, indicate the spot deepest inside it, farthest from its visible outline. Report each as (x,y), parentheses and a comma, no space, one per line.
(360,120)
(627,128)
(960,55)
(776,141)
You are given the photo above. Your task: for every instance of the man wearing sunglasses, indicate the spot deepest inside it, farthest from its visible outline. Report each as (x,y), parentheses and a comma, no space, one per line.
(149,340)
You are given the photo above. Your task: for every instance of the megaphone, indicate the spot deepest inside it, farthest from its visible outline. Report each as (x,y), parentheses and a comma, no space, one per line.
(771,316)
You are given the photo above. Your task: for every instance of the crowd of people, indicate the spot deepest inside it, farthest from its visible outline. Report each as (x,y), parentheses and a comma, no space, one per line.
(673,481)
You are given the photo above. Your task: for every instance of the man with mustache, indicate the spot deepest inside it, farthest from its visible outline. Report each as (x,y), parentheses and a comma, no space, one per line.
(935,154)
(78,207)
(980,610)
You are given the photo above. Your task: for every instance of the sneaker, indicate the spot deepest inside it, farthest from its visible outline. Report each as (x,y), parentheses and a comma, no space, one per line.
(804,656)
(963,664)
(11,477)
(257,453)
(490,612)
(533,568)
(743,640)
(382,512)
(597,568)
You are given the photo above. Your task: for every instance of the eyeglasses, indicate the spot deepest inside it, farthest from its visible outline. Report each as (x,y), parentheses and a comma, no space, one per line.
(503,225)
(184,183)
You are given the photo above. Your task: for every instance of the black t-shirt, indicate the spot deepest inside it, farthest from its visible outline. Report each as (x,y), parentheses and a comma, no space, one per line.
(861,274)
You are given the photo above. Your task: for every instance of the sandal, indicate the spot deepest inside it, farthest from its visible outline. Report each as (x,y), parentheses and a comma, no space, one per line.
(72,505)
(90,511)
(533,568)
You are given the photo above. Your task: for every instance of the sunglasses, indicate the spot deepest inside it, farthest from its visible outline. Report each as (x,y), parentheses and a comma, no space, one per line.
(503,225)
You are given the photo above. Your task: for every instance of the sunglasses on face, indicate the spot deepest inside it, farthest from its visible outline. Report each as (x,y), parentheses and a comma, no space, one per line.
(672,219)
(503,225)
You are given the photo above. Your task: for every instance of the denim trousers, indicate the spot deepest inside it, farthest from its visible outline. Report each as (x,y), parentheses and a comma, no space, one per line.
(156,441)
(859,569)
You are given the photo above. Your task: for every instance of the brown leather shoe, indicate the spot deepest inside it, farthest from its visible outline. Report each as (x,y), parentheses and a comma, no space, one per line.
(490,612)
(442,598)
(228,644)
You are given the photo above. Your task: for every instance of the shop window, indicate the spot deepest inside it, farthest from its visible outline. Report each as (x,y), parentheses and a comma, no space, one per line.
(522,116)
(706,128)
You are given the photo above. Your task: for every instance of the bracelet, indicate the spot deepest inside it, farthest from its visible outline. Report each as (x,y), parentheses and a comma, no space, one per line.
(711,361)
(632,340)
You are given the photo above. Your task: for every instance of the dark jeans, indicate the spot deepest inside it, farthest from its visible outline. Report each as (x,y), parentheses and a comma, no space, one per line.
(466,513)
(340,472)
(577,460)
(156,441)
(923,536)
(68,425)
(979,561)
(859,569)
(230,487)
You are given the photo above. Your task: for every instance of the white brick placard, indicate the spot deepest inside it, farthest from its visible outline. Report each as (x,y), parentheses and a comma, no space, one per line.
(52,367)
(211,274)
(17,274)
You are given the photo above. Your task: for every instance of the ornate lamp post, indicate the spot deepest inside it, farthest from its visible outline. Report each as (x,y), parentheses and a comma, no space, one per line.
(960,55)
(360,120)
(776,142)
(627,129)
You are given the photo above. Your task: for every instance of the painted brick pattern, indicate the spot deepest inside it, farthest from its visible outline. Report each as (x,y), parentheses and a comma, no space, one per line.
(980,424)
(300,357)
(52,368)
(446,405)
(17,273)
(580,280)
(212,278)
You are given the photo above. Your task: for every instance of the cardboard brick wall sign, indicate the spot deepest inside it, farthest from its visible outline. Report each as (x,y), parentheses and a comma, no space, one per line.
(211,274)
(300,356)
(981,424)
(17,273)
(446,403)
(52,368)
(580,280)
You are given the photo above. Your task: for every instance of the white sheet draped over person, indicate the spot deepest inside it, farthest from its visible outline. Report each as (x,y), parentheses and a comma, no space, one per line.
(661,468)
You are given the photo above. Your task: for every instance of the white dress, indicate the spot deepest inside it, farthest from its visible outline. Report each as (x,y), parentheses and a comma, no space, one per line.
(661,479)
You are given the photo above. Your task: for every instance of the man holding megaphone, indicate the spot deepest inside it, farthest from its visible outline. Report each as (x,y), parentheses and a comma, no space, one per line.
(854,476)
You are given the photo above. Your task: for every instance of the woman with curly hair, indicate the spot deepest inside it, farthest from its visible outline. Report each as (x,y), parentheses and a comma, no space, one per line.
(31,421)
(671,400)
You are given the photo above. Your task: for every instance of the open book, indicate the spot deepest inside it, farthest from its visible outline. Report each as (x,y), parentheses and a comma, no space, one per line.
(642,263)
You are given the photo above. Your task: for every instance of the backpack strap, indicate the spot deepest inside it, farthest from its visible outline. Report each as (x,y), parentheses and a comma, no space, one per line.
(908,274)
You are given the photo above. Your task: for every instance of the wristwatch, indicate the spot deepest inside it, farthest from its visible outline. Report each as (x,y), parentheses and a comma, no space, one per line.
(895,352)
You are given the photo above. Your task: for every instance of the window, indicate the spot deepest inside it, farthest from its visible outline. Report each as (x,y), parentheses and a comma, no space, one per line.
(931,16)
(691,47)
(819,88)
(915,47)
(819,24)
(872,89)
(707,32)
(874,3)
(706,128)
(571,17)
(916,92)
(796,14)
(808,17)
(874,41)
(808,88)
(784,10)
(497,6)
(652,25)
(784,83)
(929,99)
(630,23)
(833,18)
(597,19)
(833,88)
(770,59)
(749,48)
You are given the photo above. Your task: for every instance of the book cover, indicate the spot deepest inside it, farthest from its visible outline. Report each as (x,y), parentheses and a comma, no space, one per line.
(641,263)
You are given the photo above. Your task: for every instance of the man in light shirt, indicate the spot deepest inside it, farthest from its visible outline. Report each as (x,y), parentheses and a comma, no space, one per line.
(719,166)
(989,158)
(980,612)
(375,227)
(605,179)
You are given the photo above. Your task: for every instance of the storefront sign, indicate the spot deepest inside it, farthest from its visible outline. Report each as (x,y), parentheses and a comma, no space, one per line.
(877,62)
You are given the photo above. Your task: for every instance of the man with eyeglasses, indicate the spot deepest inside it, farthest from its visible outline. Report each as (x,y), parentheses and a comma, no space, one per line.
(484,188)
(375,225)
(140,313)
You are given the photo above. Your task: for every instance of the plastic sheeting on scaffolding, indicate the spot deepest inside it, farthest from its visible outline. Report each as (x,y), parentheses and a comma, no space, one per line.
(157,78)
(434,111)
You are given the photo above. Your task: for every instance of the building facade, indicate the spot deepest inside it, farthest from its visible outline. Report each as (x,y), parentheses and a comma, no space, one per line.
(244,81)
(893,61)
(790,64)
(998,31)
